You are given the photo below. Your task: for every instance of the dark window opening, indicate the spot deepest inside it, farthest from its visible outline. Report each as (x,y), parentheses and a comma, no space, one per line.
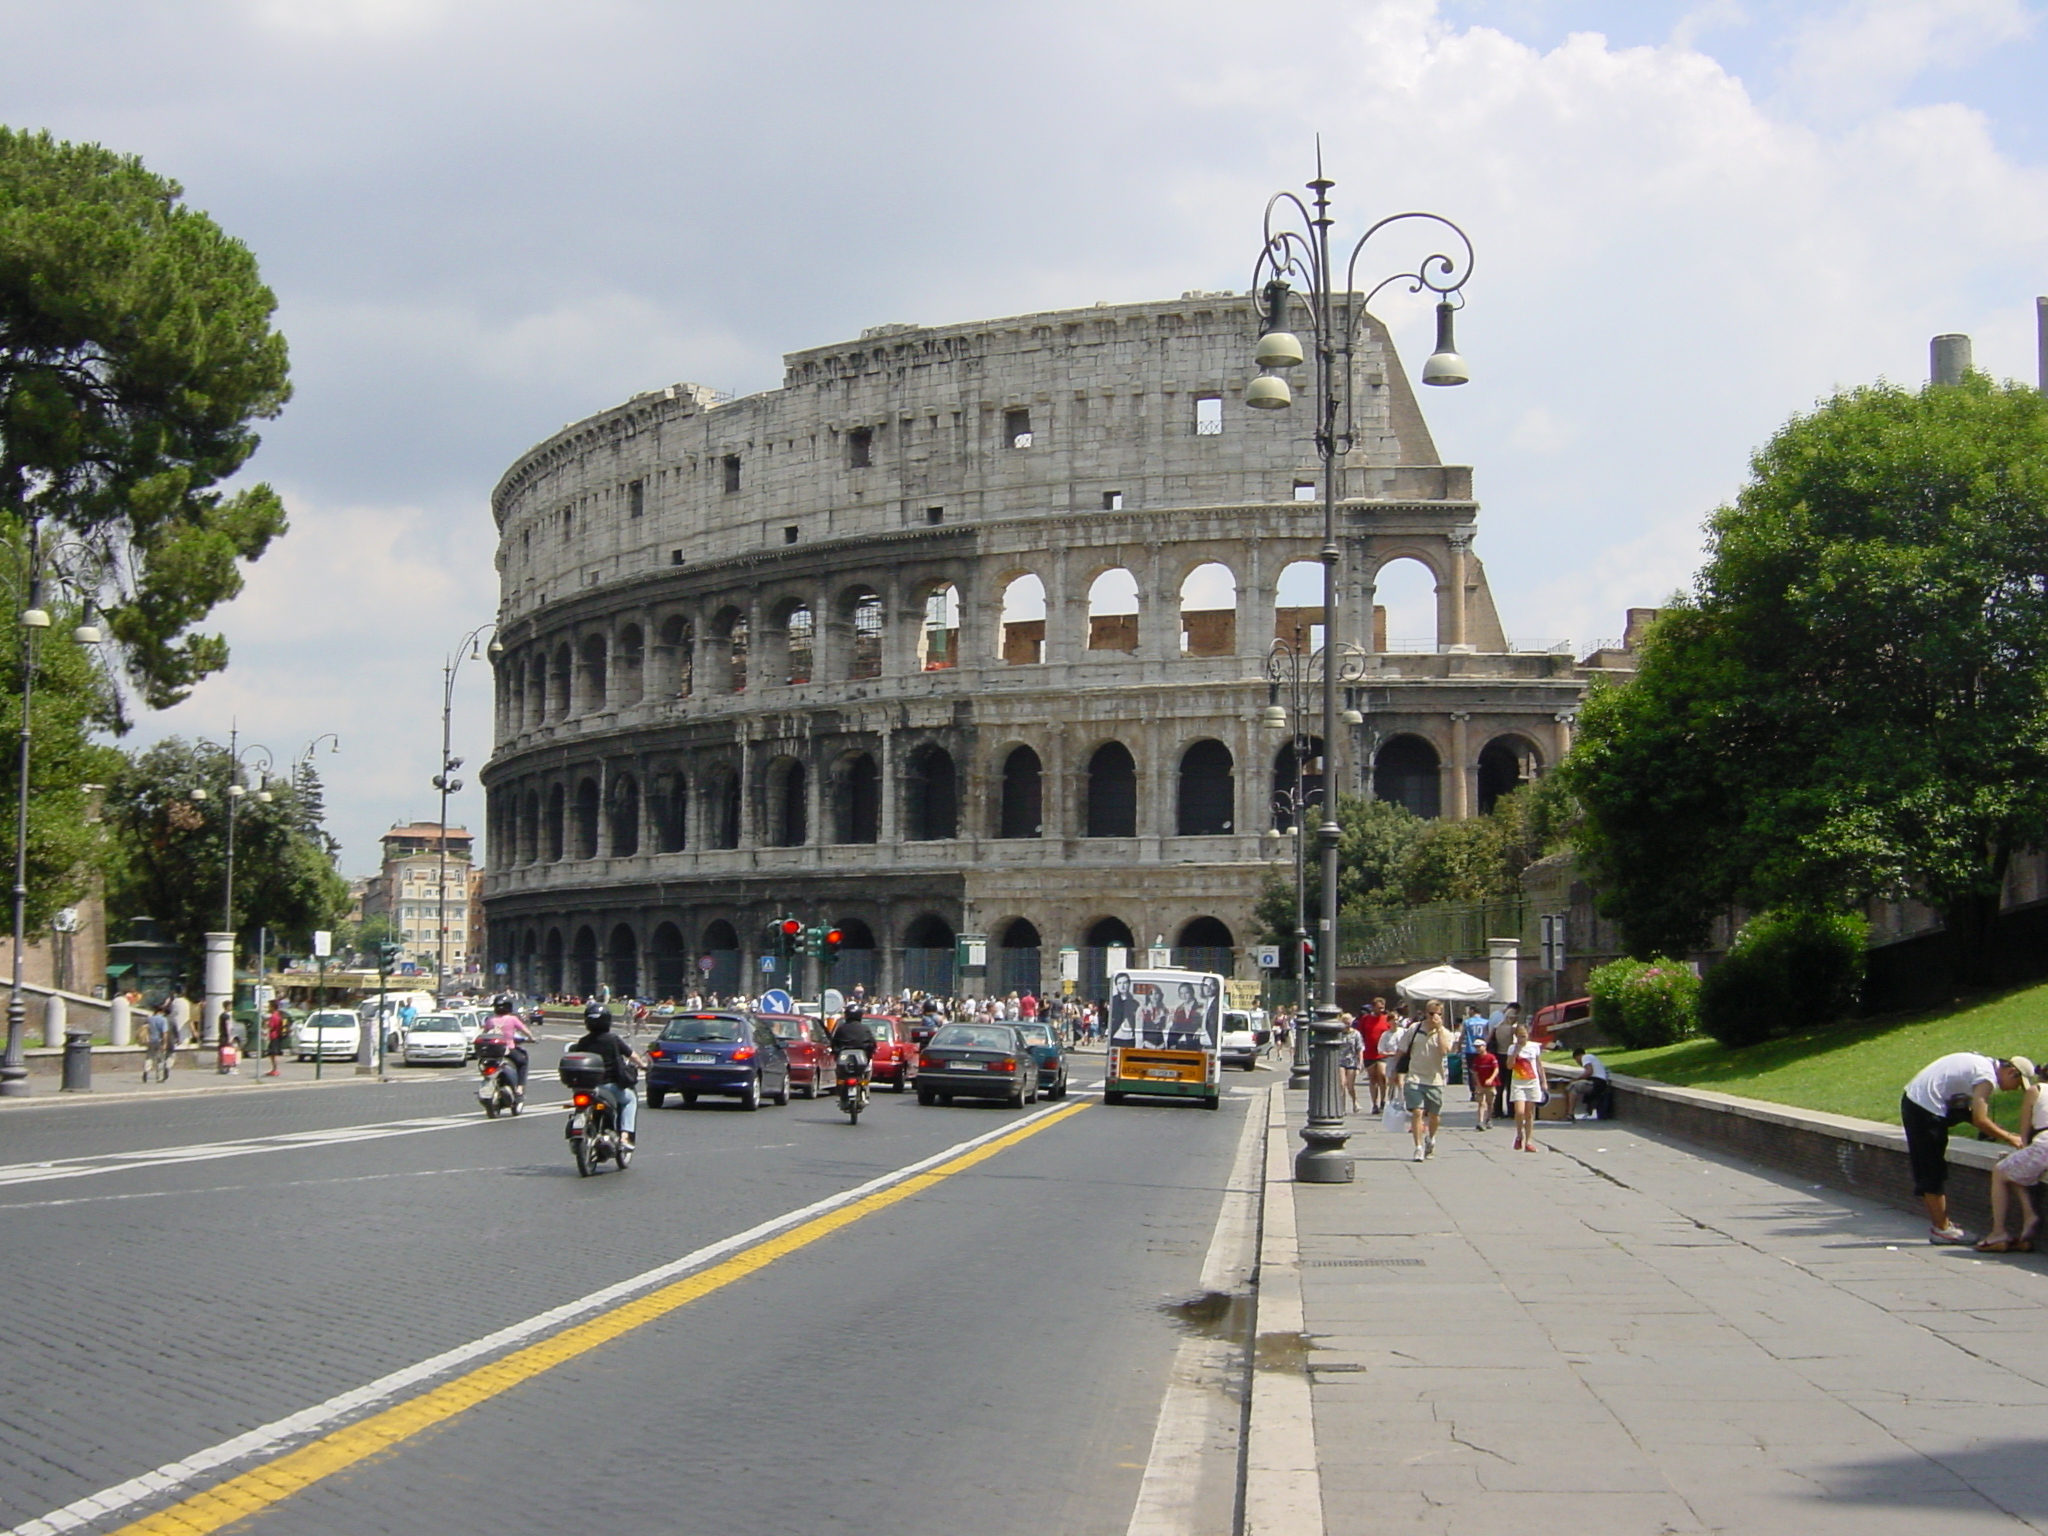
(1022,812)
(1112,792)
(860,448)
(732,473)
(789,534)
(857,801)
(1208,791)
(1017,427)
(1112,501)
(931,796)
(675,557)
(1406,773)
(636,498)
(935,515)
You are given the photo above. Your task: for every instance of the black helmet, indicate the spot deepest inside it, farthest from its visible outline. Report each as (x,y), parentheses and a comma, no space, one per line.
(597,1018)
(503,1004)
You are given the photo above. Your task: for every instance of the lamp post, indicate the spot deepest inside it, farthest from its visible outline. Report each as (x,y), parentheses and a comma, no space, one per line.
(32,620)
(1287,672)
(234,794)
(446,782)
(1297,250)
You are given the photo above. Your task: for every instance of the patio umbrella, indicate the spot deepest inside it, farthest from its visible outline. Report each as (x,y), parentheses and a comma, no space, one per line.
(1445,983)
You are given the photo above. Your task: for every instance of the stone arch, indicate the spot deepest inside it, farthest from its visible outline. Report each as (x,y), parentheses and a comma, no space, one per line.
(788,646)
(1407,770)
(583,844)
(1097,939)
(528,978)
(630,680)
(677,650)
(1113,611)
(938,637)
(557,824)
(537,687)
(529,827)
(554,974)
(859,956)
(726,652)
(856,799)
(1505,764)
(622,962)
(1207,804)
(623,816)
(668,962)
(722,807)
(785,794)
(668,807)
(1111,796)
(1405,606)
(722,949)
(1297,783)
(931,795)
(561,679)
(857,620)
(1015,966)
(1020,799)
(515,693)
(583,977)
(592,678)
(1208,610)
(1205,944)
(928,954)
(1020,627)
(1298,603)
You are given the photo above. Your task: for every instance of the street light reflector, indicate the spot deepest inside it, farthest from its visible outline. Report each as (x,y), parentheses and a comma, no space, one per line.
(1352,717)
(34,618)
(1268,392)
(88,630)
(1278,349)
(1273,718)
(235,792)
(1444,365)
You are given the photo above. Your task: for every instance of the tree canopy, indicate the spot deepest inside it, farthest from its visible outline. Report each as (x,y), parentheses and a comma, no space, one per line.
(135,350)
(1854,699)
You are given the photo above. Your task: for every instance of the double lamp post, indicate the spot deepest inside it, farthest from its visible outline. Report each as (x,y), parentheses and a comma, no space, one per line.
(1296,266)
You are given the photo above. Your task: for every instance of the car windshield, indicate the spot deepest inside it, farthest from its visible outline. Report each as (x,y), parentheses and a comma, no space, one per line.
(332,1021)
(699,1027)
(438,1023)
(790,1029)
(969,1037)
(1035,1034)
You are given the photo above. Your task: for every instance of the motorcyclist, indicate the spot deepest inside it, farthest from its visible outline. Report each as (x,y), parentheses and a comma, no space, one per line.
(505,1028)
(854,1033)
(622,1066)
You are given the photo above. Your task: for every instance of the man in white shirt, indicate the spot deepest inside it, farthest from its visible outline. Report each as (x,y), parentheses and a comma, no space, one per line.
(1590,1087)
(1948,1091)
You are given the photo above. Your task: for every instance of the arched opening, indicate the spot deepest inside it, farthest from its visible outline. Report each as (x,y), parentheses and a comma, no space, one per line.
(1113,611)
(529,827)
(515,694)
(1205,944)
(722,807)
(558,801)
(858,964)
(1022,811)
(1101,938)
(526,973)
(788,658)
(1021,641)
(563,677)
(1298,783)
(1506,763)
(622,962)
(719,964)
(553,968)
(1405,771)
(938,640)
(859,637)
(931,795)
(725,652)
(668,804)
(1016,967)
(928,945)
(586,820)
(631,680)
(625,816)
(591,677)
(537,689)
(856,800)
(1112,809)
(668,963)
(1208,611)
(1208,791)
(583,980)
(677,652)
(1298,604)
(788,811)
(1404,608)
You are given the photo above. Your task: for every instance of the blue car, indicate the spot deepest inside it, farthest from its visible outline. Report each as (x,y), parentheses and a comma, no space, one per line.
(724,1053)
(1044,1047)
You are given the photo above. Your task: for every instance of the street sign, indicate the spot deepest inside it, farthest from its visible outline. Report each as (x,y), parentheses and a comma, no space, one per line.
(834,1001)
(323,943)
(1269,957)
(973,952)
(768,965)
(775,1000)
(501,969)
(704,964)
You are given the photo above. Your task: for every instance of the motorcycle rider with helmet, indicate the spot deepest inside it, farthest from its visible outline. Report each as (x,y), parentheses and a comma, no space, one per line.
(504,1027)
(622,1066)
(854,1033)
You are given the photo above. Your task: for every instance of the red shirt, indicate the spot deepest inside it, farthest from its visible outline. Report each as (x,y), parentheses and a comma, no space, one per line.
(1375,1026)
(1486,1069)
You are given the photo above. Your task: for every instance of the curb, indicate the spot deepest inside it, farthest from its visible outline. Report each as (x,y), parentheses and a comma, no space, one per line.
(1283,1485)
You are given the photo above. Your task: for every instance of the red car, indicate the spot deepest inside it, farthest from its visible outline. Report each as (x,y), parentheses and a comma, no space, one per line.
(895,1060)
(810,1056)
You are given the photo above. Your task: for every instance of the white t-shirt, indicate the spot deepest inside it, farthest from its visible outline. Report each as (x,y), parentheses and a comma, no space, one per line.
(1948,1077)
(1595,1067)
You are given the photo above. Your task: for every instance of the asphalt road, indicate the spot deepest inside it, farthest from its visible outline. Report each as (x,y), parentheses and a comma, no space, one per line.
(985,1348)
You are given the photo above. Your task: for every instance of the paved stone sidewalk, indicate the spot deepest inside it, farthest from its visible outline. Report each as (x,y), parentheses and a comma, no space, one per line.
(1618,1335)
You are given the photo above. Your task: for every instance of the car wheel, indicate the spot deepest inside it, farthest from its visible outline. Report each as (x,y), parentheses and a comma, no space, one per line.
(945,1098)
(926,1097)
(782,1097)
(751,1099)
(902,1084)
(656,1097)
(1016,1100)
(1111,1096)
(689,1098)
(1059,1089)
(808,1090)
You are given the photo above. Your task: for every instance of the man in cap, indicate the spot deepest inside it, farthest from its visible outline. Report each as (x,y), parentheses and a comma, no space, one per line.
(1949,1090)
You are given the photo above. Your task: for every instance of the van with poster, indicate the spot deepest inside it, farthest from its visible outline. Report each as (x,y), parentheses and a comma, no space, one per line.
(1165,1036)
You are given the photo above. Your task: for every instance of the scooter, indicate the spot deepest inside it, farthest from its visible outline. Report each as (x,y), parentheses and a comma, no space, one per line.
(494,1089)
(593,1128)
(853,1083)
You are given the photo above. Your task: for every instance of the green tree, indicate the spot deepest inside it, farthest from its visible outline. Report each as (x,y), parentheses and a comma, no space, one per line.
(1854,701)
(1374,839)
(135,351)
(170,850)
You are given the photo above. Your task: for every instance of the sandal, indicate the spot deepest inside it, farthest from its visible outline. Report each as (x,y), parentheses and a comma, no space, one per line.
(1998,1245)
(1948,1236)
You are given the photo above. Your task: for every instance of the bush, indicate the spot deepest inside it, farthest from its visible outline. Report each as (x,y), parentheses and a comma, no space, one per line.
(1786,971)
(1645,1002)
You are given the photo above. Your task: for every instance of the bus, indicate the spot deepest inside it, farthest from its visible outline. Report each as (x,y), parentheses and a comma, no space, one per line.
(1165,1036)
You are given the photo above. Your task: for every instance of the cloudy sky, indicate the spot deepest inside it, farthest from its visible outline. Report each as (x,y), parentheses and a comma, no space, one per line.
(485,218)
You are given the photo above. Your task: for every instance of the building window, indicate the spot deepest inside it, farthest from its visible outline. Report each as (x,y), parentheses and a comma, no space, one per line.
(636,498)
(935,515)
(1208,415)
(1304,490)
(860,448)
(1017,427)
(1112,501)
(675,557)
(732,473)
(789,534)
(568,523)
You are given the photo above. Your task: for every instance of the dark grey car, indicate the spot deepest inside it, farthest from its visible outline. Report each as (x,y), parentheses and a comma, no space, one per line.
(977,1061)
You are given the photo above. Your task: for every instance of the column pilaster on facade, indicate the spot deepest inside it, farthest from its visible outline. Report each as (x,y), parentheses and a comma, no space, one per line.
(1452,600)
(1461,785)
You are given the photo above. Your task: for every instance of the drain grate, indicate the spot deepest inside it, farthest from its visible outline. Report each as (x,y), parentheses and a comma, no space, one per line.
(1363,1263)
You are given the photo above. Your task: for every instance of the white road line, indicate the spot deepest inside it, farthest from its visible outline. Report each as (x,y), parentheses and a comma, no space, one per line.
(1198,1386)
(275,1435)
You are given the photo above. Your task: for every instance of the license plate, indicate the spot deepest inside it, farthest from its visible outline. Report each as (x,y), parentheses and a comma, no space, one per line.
(966,1066)
(698,1061)
(1162,1072)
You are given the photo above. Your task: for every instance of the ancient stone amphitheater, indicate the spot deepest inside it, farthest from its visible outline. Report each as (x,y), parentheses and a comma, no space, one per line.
(963,634)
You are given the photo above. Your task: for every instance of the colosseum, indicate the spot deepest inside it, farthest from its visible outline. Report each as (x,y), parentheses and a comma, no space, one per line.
(962,640)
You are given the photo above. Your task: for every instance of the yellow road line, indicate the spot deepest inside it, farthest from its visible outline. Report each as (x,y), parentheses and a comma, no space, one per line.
(253,1491)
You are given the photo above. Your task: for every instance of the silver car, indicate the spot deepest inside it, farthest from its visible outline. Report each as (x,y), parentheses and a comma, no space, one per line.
(437,1039)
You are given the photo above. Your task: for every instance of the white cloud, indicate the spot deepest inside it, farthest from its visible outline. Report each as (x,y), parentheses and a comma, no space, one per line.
(1856,58)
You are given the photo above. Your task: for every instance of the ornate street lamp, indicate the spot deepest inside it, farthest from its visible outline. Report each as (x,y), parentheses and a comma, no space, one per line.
(1296,262)
(235,793)
(446,782)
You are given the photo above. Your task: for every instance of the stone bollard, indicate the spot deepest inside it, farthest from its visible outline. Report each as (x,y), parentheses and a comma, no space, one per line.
(53,1020)
(120,1023)
(77,1061)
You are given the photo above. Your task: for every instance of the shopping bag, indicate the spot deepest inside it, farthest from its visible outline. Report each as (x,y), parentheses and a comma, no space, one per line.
(1395,1118)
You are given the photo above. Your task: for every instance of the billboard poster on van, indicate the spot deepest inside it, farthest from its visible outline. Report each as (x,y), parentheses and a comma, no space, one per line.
(1166,1010)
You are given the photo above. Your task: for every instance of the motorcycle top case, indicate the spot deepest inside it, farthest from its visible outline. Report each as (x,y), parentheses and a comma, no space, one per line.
(582,1069)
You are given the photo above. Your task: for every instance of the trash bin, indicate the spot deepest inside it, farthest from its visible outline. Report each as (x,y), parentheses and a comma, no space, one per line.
(77,1061)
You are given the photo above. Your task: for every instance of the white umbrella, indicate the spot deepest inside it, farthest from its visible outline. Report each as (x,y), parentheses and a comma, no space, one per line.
(1445,983)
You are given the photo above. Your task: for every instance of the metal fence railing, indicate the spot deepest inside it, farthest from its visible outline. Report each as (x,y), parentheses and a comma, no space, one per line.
(1449,930)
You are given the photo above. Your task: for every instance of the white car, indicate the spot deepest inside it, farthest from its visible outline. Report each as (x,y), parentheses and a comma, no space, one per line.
(1245,1033)
(332,1034)
(442,1038)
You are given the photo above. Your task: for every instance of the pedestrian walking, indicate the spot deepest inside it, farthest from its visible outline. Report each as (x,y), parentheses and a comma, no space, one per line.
(1372,1027)
(1349,1056)
(275,1029)
(1949,1090)
(2017,1173)
(1471,1041)
(1486,1073)
(1527,1089)
(162,1043)
(1422,1083)
(1502,1038)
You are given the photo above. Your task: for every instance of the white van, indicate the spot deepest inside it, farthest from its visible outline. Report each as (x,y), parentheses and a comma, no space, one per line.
(1245,1033)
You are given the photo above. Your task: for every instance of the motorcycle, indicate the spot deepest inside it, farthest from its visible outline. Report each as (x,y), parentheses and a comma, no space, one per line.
(494,1090)
(593,1129)
(853,1083)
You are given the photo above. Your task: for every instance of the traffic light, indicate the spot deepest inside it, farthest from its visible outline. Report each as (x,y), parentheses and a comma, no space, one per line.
(828,944)
(388,951)
(791,930)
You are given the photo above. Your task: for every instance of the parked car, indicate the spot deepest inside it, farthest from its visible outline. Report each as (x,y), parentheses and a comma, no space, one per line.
(977,1061)
(1245,1033)
(1547,1023)
(895,1060)
(810,1055)
(332,1034)
(438,1038)
(1044,1046)
(721,1052)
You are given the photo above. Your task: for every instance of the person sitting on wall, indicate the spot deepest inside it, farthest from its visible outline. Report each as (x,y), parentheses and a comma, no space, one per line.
(1591,1088)
(1949,1090)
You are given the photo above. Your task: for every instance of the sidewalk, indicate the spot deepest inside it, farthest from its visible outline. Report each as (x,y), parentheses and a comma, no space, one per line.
(195,1072)
(1620,1335)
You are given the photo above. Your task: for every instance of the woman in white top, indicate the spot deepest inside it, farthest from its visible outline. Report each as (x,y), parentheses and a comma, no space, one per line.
(2017,1173)
(1526,1087)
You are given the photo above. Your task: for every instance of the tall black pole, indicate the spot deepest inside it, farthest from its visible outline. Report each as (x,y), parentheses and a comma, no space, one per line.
(14,1066)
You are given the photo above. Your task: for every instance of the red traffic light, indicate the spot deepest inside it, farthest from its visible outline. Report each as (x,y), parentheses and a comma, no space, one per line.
(791,927)
(832,937)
